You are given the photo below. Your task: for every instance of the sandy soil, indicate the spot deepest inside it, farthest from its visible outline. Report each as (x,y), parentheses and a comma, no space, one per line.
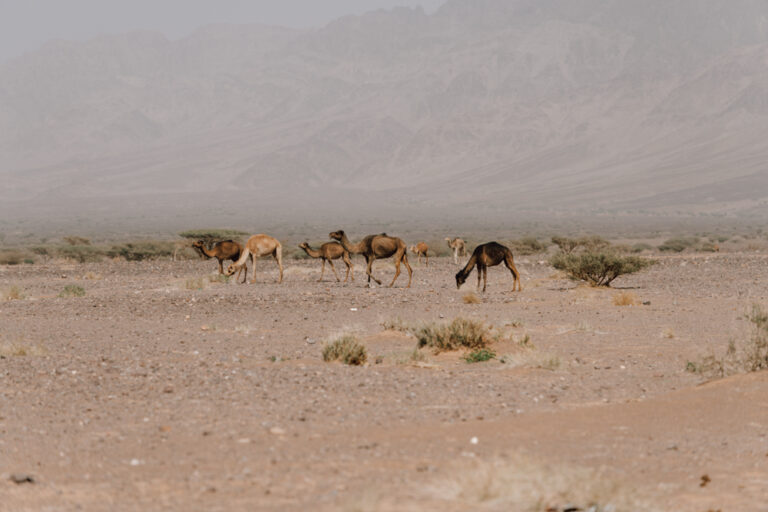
(147,395)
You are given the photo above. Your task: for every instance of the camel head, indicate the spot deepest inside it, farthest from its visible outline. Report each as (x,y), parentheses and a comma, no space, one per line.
(231,269)
(337,235)
(303,245)
(460,280)
(412,249)
(198,245)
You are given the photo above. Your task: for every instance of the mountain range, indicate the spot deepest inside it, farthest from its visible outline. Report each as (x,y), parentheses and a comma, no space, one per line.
(494,107)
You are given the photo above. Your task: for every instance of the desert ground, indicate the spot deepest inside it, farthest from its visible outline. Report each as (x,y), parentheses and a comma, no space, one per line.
(165,388)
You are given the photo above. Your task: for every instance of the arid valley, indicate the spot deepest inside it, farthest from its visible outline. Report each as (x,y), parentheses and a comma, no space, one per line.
(149,392)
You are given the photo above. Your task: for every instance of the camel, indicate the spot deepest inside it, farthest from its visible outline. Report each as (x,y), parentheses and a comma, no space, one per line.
(222,251)
(375,247)
(488,255)
(458,247)
(420,249)
(330,251)
(255,247)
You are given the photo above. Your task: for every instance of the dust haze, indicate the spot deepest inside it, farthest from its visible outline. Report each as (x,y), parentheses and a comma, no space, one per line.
(475,112)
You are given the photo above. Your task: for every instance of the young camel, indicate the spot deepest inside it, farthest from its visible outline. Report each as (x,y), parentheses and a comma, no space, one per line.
(330,251)
(255,247)
(222,251)
(375,247)
(420,249)
(458,247)
(489,255)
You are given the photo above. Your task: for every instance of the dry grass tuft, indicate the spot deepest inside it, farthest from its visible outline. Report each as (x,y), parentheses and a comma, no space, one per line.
(750,355)
(520,483)
(72,290)
(195,283)
(347,350)
(471,298)
(460,333)
(91,276)
(20,350)
(668,333)
(625,299)
(13,293)
(218,278)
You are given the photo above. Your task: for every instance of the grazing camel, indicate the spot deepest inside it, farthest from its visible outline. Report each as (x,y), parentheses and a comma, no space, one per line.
(330,251)
(222,251)
(420,249)
(255,247)
(458,247)
(375,247)
(488,255)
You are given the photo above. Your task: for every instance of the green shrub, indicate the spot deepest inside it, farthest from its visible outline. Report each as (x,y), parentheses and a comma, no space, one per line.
(460,333)
(77,240)
(211,235)
(598,268)
(72,290)
(140,251)
(80,253)
(11,257)
(479,356)
(594,243)
(640,247)
(347,350)
(565,244)
(528,245)
(678,244)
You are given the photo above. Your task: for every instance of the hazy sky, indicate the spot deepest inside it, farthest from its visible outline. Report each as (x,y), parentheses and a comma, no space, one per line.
(27,24)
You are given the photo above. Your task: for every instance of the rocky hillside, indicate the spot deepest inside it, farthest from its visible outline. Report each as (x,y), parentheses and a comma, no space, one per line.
(572,105)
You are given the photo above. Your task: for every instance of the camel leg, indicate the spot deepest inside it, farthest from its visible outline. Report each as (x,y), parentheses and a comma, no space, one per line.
(409,269)
(479,275)
(370,274)
(426,256)
(221,267)
(330,262)
(397,269)
(348,263)
(455,256)
(253,264)
(485,277)
(279,259)
(515,274)
(322,270)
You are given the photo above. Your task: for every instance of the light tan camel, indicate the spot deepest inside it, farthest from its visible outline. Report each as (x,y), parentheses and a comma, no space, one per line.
(488,255)
(375,247)
(420,249)
(330,251)
(256,247)
(222,251)
(458,247)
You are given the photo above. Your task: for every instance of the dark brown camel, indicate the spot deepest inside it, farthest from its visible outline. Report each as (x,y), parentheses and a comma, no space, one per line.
(330,251)
(222,251)
(488,255)
(376,247)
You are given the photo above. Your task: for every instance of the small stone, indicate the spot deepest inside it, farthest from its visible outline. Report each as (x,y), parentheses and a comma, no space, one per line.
(474,440)
(277,431)
(22,478)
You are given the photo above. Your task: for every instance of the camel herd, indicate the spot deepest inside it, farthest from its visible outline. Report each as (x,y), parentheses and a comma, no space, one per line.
(372,247)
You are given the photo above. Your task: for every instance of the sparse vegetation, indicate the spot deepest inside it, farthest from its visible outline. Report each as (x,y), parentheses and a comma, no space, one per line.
(678,244)
(80,253)
(598,268)
(460,333)
(565,244)
(479,356)
(528,245)
(140,251)
(213,235)
(347,350)
(396,324)
(625,299)
(11,257)
(13,293)
(750,355)
(77,240)
(219,278)
(72,290)
(195,283)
